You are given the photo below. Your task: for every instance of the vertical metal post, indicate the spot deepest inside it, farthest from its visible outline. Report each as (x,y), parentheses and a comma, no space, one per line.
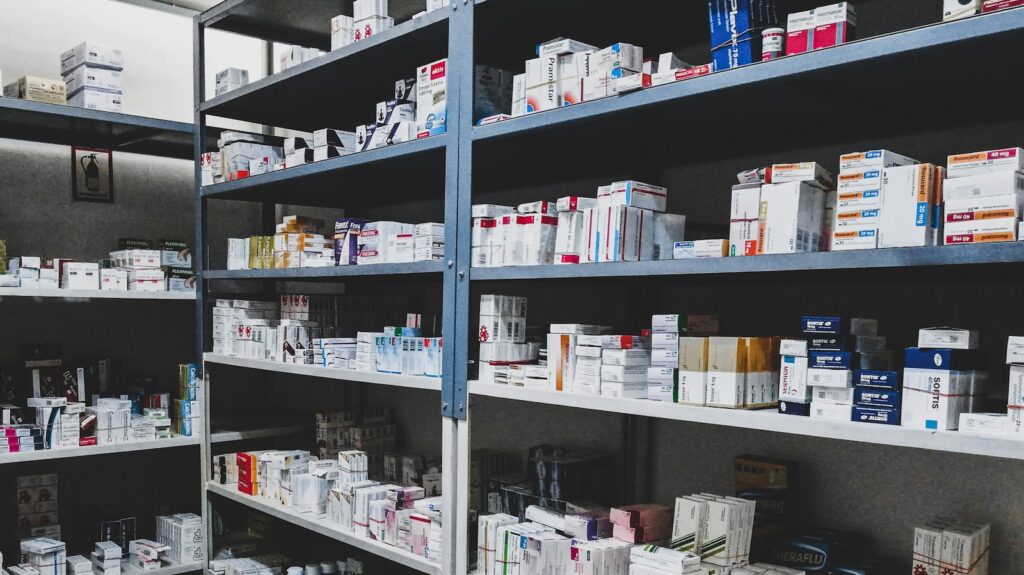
(201,255)
(457,206)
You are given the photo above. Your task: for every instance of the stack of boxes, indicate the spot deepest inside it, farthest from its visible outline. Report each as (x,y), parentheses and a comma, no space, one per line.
(112,419)
(106,558)
(587,368)
(571,235)
(641,523)
(983,197)
(92,73)
(142,266)
(295,55)
(940,381)
(386,242)
(1011,422)
(183,535)
(663,374)
(877,393)
(230,79)
(780,210)
(911,212)
(428,242)
(488,236)
(630,224)
(832,362)
(47,556)
(502,337)
(145,555)
(859,197)
(822,27)
(741,372)
(655,560)
(625,360)
(951,546)
(718,529)
(38,513)
(299,243)
(369,17)
(187,408)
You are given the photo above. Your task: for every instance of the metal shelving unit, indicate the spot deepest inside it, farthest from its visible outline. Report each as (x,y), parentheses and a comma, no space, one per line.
(76,294)
(318,524)
(72,126)
(71,452)
(475,161)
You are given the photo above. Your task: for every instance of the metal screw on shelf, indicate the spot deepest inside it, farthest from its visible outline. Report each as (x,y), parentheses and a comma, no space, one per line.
(450,263)
(461,407)
(462,273)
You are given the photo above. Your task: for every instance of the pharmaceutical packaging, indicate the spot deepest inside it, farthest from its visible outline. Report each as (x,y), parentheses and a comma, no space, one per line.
(726,378)
(93,54)
(92,78)
(983,185)
(989,6)
(910,206)
(800,32)
(836,395)
(957,9)
(831,411)
(936,388)
(810,173)
(793,220)
(735,31)
(994,424)
(431,99)
(744,218)
(700,249)
(948,338)
(834,25)
(1007,159)
(342,31)
(981,231)
(35,89)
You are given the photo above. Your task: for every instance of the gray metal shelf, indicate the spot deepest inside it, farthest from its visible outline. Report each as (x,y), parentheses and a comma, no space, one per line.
(965,255)
(339,272)
(343,181)
(73,126)
(944,46)
(700,121)
(339,89)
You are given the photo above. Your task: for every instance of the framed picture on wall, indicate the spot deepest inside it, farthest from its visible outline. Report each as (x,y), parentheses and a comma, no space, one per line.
(92,175)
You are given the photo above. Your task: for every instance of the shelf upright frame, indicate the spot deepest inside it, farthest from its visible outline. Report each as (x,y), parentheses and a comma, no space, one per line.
(455,309)
(201,255)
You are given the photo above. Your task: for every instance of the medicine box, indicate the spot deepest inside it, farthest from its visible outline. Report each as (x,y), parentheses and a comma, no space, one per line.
(910,206)
(800,32)
(92,53)
(91,77)
(834,25)
(793,217)
(1005,160)
(431,99)
(984,184)
(97,100)
(35,89)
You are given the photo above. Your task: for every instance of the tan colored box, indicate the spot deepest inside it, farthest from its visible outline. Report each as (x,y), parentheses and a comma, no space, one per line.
(35,89)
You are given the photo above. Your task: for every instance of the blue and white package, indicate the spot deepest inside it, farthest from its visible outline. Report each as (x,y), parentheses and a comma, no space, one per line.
(882,415)
(794,408)
(813,324)
(736,27)
(870,397)
(827,342)
(830,359)
(876,379)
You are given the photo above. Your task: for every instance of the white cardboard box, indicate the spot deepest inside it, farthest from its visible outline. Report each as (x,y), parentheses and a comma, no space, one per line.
(909,213)
(793,218)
